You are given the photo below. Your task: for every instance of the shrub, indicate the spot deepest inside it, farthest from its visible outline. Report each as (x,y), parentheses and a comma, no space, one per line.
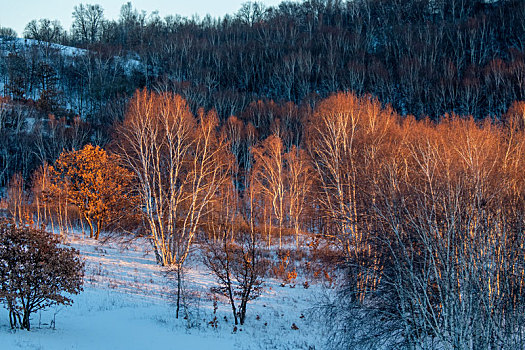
(239,268)
(35,272)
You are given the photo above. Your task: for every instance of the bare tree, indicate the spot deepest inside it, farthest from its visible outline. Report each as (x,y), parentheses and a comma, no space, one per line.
(299,180)
(17,200)
(87,22)
(46,32)
(180,164)
(238,266)
(269,177)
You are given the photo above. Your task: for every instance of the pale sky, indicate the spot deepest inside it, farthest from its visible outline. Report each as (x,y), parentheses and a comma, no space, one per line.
(17,13)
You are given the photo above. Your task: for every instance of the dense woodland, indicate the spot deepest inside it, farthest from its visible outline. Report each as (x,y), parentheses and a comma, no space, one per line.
(423,57)
(385,138)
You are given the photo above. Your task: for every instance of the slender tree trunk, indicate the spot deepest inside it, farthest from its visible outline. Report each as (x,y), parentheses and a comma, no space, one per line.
(90,226)
(25,321)
(59,218)
(37,212)
(280,235)
(82,226)
(66,216)
(97,233)
(12,320)
(242,310)
(297,235)
(52,218)
(158,257)
(13,316)
(179,289)
(230,285)
(45,213)
(232,302)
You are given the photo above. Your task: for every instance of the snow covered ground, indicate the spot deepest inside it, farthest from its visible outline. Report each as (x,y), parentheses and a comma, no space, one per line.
(14,44)
(127,304)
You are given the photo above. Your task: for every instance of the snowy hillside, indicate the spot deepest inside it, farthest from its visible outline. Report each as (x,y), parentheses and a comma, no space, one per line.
(16,44)
(75,75)
(126,305)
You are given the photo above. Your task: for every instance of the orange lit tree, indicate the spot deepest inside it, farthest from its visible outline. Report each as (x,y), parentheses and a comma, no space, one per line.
(96,185)
(181,163)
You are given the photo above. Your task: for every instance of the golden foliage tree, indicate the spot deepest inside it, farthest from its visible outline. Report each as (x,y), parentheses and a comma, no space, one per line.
(95,184)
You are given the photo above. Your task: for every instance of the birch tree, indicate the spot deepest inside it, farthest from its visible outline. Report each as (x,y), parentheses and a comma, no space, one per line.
(180,163)
(269,177)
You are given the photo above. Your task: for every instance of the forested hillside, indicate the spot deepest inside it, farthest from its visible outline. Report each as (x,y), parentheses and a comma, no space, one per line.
(423,57)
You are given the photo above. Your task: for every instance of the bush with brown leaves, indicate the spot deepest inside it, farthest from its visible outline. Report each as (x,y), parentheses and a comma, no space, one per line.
(35,272)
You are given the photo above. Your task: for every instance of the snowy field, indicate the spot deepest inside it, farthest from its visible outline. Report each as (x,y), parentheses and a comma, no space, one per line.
(127,303)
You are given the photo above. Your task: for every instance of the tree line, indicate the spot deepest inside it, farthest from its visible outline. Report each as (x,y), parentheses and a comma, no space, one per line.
(422,57)
(424,217)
